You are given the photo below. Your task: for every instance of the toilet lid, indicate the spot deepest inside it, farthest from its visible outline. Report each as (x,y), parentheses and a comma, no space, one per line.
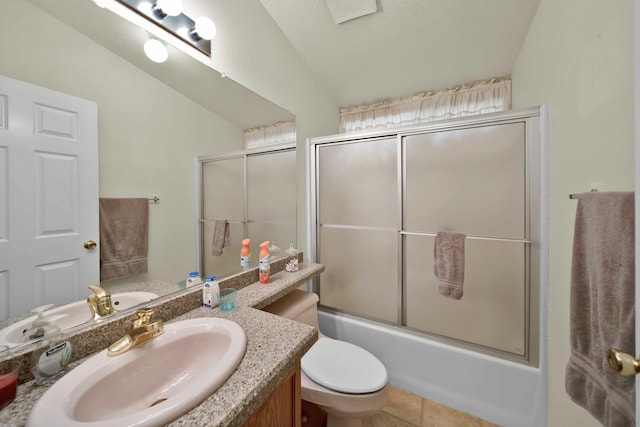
(343,367)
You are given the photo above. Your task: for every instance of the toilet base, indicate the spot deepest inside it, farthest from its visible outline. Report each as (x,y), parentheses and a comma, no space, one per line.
(312,415)
(343,410)
(315,416)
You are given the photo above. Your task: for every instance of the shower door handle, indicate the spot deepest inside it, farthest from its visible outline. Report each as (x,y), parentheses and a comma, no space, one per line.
(623,363)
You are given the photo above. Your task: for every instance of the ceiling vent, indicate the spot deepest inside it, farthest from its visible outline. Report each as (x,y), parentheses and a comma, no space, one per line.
(342,11)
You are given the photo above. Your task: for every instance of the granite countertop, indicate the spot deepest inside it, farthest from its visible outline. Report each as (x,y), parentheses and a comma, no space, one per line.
(274,346)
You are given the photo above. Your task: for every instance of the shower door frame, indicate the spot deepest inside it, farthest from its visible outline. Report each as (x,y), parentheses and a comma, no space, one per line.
(533,214)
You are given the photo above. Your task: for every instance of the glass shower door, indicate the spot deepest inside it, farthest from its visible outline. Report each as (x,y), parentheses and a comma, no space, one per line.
(256,193)
(222,199)
(470,181)
(357,227)
(271,200)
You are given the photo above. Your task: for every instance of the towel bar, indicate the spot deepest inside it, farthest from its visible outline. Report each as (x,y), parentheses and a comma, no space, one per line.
(230,222)
(576,195)
(499,239)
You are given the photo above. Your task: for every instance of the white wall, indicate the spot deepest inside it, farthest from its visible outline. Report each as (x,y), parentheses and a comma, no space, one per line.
(149,134)
(252,50)
(578,58)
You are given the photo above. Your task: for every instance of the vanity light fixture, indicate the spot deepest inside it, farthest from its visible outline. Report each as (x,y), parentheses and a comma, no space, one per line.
(168,15)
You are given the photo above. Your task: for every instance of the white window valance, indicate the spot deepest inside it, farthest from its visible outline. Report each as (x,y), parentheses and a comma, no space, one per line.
(279,133)
(478,98)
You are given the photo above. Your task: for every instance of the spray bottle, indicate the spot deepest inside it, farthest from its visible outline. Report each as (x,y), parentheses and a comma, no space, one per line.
(245,254)
(265,262)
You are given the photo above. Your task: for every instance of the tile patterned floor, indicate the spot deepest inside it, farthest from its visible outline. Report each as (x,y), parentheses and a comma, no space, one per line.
(404,409)
(409,410)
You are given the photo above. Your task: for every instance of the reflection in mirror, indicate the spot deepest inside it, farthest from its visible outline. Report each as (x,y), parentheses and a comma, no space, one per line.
(65,317)
(152,120)
(258,199)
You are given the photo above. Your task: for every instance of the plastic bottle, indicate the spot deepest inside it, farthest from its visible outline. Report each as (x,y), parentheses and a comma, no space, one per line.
(53,356)
(245,254)
(292,259)
(39,326)
(210,292)
(265,262)
(193,279)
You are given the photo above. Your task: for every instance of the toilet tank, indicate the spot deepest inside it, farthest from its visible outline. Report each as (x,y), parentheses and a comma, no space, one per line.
(297,305)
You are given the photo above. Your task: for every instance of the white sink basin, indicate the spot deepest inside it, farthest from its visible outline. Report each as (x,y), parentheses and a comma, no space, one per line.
(149,385)
(70,315)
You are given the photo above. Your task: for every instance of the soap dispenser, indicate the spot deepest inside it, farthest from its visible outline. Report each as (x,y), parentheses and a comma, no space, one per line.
(52,357)
(39,326)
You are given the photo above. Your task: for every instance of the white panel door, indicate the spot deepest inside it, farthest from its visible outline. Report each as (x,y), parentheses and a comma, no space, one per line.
(48,197)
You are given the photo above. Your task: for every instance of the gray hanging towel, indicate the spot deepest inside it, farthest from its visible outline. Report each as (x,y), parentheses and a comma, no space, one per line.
(602,310)
(124,237)
(221,237)
(448,263)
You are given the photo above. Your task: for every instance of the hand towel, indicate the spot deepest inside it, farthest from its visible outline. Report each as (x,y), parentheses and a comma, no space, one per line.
(448,263)
(221,237)
(602,306)
(124,237)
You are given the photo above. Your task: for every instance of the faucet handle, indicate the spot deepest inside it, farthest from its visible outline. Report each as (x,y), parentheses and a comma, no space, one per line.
(142,317)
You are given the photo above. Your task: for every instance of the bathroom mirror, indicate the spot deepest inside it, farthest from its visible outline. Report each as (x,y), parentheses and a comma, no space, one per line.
(154,119)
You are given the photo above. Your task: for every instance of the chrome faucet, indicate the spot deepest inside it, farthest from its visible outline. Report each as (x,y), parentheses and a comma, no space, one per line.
(99,302)
(143,331)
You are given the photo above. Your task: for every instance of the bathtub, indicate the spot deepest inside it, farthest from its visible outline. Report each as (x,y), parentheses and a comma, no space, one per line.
(500,391)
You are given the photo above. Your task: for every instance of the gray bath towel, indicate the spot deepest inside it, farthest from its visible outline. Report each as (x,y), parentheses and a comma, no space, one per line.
(124,237)
(448,263)
(602,306)
(221,237)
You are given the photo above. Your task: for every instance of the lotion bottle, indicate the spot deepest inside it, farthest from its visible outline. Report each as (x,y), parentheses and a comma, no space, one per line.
(265,262)
(210,292)
(193,279)
(245,254)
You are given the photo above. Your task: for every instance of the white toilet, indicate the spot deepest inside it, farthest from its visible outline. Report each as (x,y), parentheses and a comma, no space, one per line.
(345,380)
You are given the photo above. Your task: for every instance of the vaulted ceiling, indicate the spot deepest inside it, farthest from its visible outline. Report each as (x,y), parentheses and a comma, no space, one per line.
(407,46)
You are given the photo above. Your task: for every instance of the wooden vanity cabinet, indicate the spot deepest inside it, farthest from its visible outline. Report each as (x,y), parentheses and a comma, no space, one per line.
(283,407)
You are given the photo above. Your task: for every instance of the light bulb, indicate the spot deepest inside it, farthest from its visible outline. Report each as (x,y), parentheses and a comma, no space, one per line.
(170,7)
(205,28)
(156,50)
(145,7)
